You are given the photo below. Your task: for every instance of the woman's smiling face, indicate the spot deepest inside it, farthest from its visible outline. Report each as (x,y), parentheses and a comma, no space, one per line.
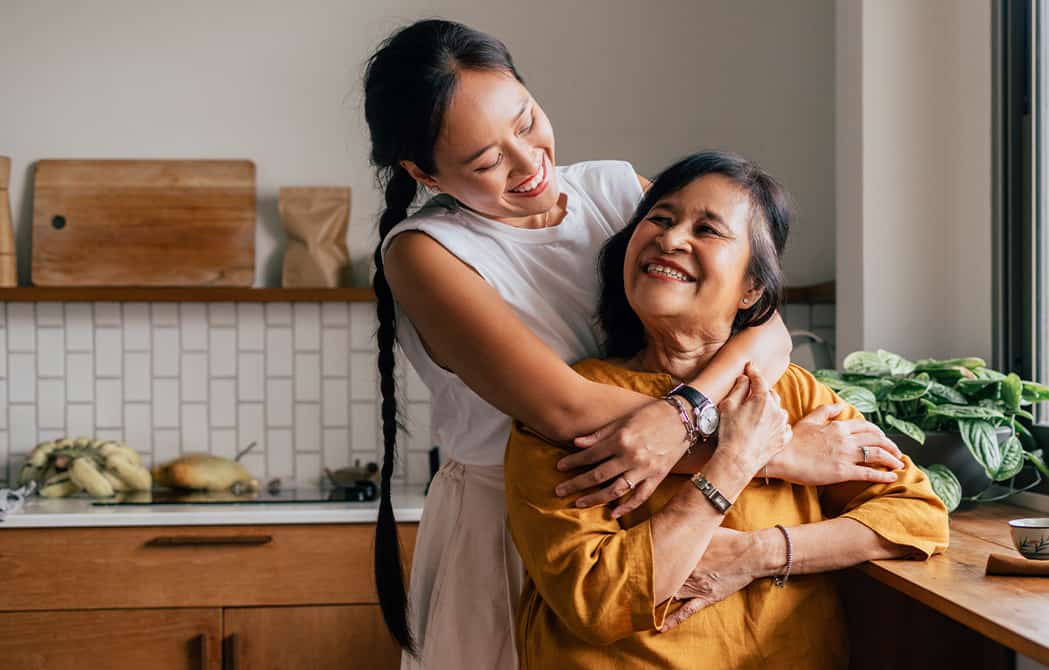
(495,151)
(686,265)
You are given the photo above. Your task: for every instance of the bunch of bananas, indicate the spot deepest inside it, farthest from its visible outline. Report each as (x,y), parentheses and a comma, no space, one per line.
(101,468)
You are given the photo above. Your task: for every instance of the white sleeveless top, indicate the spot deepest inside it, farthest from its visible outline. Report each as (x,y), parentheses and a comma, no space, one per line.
(548,276)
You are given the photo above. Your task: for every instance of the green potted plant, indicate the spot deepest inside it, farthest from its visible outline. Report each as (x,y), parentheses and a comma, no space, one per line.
(959,420)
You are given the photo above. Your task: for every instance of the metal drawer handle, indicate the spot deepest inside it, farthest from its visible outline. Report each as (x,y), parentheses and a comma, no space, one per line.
(208,540)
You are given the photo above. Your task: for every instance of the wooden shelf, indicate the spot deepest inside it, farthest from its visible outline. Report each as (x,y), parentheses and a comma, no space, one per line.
(817,294)
(183,294)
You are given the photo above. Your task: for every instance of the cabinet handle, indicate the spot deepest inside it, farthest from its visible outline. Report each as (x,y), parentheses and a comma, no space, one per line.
(208,540)
(204,645)
(230,652)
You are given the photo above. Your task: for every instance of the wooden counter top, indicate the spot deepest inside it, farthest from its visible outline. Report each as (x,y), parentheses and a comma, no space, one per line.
(1013,611)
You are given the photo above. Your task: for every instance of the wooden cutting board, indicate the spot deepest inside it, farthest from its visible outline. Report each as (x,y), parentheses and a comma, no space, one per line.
(143,223)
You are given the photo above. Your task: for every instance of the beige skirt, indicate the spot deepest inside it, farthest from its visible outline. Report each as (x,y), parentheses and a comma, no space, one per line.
(466,574)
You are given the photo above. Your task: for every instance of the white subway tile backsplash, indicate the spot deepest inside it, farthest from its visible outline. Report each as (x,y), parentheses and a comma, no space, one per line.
(165,352)
(335,404)
(335,314)
(109,352)
(365,376)
(223,403)
(278,314)
(307,427)
(51,343)
(48,314)
(107,314)
(362,326)
(307,469)
(278,352)
(307,377)
(165,403)
(417,467)
(278,402)
(364,421)
(138,427)
(307,320)
(23,428)
(251,376)
(170,378)
(109,403)
(22,381)
(165,314)
(335,352)
(193,322)
(280,454)
(52,406)
(251,426)
(138,382)
(79,327)
(136,326)
(224,442)
(21,327)
(80,377)
(195,377)
(194,426)
(222,314)
(222,352)
(80,420)
(166,446)
(250,331)
(336,448)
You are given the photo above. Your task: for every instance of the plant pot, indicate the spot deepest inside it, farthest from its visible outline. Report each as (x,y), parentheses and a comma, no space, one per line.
(948,449)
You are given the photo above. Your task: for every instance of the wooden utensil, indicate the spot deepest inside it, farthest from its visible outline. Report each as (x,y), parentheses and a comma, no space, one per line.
(144,223)
(8,266)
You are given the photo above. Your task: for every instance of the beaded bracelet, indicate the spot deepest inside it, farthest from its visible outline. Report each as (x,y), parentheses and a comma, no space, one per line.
(690,428)
(781,580)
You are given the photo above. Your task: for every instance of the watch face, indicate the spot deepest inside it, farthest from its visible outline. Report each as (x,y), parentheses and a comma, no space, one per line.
(708,420)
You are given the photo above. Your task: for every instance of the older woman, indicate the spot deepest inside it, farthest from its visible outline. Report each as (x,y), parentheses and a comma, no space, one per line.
(698,261)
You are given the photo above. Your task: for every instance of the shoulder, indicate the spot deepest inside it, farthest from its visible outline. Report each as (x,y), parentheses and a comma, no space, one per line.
(612,188)
(801,393)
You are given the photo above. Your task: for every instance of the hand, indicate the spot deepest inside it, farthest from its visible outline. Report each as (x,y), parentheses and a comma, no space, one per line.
(754,426)
(635,454)
(824,451)
(723,570)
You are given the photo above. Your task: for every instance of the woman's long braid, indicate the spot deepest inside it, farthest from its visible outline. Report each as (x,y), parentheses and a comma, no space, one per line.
(389,572)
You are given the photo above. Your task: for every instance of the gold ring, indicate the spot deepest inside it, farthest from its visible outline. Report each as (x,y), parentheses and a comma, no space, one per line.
(629,484)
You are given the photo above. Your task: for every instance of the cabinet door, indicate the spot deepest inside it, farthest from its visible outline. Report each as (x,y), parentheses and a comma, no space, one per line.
(308,638)
(160,639)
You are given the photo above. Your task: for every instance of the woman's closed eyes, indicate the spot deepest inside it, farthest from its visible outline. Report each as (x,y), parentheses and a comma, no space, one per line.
(523,131)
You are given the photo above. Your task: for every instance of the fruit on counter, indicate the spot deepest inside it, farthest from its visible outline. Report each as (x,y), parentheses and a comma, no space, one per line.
(100,467)
(204,472)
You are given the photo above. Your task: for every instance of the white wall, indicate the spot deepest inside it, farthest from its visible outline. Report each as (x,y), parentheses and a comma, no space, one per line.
(914,176)
(279,83)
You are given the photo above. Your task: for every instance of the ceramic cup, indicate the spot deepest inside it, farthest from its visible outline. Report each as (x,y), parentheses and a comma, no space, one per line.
(1031,537)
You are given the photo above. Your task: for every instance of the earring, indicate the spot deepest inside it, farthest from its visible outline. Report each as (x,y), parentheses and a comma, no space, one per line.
(745,301)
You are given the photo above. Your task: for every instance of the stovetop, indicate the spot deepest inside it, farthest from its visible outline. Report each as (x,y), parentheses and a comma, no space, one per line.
(306,494)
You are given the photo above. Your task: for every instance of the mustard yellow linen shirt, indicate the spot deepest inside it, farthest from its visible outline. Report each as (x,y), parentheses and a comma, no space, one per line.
(588,601)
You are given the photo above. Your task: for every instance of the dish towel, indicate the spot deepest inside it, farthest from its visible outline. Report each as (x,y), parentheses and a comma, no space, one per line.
(11,500)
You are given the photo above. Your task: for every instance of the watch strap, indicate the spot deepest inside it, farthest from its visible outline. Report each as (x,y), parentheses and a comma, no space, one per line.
(693,396)
(711,492)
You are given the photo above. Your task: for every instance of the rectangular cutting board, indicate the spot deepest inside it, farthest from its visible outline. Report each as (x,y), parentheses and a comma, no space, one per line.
(143,223)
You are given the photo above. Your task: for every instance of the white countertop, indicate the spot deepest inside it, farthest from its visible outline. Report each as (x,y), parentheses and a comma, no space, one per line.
(40,512)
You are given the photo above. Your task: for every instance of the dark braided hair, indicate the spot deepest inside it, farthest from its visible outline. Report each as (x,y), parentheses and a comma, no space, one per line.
(408,84)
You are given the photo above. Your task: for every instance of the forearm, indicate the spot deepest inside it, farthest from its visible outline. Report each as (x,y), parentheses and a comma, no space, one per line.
(681,531)
(823,546)
(766,346)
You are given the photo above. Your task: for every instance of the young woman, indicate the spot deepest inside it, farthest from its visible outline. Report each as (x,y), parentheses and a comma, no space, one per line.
(496,284)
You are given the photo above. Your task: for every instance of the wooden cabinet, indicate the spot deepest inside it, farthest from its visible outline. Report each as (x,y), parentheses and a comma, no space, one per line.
(283,596)
(161,639)
(331,637)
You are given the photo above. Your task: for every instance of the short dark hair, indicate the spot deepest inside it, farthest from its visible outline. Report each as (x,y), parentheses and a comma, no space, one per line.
(769,227)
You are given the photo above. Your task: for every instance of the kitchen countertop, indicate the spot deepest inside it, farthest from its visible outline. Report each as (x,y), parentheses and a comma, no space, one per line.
(40,512)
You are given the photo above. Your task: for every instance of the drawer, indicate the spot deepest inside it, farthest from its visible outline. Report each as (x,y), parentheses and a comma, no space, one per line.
(189,566)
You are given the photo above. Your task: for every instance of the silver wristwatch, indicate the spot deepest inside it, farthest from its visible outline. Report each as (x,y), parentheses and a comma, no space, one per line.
(704,411)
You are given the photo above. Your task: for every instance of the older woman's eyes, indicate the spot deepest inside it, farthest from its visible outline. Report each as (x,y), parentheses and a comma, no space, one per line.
(661,221)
